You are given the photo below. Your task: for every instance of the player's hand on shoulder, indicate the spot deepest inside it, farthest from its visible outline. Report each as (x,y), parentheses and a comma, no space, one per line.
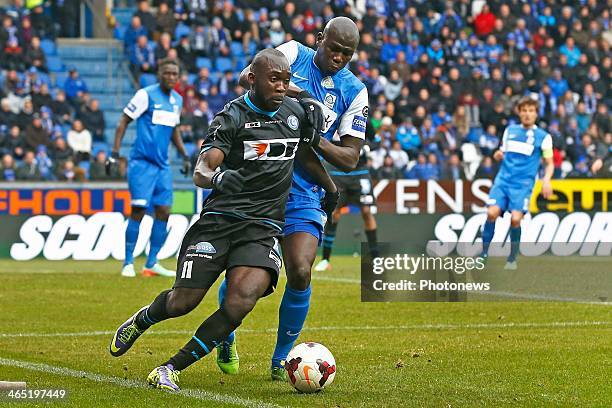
(329,202)
(498,155)
(110,162)
(228,181)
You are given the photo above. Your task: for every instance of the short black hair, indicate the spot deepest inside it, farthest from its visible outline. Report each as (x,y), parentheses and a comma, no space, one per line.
(167,61)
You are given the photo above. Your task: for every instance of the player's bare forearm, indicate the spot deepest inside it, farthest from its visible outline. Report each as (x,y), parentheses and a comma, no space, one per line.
(549,170)
(177,140)
(124,121)
(206,167)
(311,163)
(344,156)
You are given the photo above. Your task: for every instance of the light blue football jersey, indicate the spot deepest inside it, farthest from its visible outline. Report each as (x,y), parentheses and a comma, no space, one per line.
(344,100)
(156,115)
(523,149)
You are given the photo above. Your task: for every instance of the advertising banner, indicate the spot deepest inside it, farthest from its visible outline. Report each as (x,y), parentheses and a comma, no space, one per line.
(101,235)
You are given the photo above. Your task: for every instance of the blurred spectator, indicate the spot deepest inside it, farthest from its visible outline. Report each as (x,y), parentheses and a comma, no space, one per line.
(142,57)
(35,134)
(44,163)
(28,169)
(160,51)
(486,169)
(8,170)
(146,17)
(7,116)
(35,56)
(484,22)
(41,23)
(74,86)
(453,169)
(186,55)
(65,14)
(388,170)
(399,156)
(93,120)
(165,21)
(80,140)
(60,153)
(134,30)
(41,97)
(62,110)
(67,171)
(97,170)
(14,143)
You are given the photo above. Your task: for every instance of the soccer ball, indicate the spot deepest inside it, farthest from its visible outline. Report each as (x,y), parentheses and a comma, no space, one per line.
(311,367)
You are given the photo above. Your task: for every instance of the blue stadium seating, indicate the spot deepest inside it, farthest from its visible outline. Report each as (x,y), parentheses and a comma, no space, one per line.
(54,63)
(223,64)
(181,30)
(99,146)
(147,79)
(48,47)
(236,49)
(202,62)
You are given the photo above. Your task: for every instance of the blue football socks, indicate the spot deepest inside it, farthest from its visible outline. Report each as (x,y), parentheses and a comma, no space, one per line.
(487,236)
(131,236)
(515,242)
(158,237)
(291,317)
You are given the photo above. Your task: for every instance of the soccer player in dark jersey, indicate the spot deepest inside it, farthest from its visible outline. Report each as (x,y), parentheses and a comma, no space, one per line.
(321,81)
(255,138)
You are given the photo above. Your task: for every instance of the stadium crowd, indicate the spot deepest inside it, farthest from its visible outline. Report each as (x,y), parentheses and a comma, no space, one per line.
(442,76)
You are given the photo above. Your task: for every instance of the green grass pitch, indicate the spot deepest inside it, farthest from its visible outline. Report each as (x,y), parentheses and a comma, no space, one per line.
(56,319)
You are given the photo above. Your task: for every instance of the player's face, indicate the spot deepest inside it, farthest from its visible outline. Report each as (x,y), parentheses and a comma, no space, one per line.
(333,54)
(271,87)
(169,76)
(528,115)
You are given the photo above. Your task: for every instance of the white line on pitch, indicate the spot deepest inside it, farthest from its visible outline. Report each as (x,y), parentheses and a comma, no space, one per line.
(101,378)
(340,328)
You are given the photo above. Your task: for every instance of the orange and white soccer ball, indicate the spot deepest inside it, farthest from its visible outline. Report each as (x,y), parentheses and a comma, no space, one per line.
(311,367)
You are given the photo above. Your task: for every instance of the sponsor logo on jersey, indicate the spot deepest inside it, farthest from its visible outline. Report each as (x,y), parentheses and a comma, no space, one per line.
(203,248)
(329,100)
(131,107)
(365,111)
(327,82)
(250,125)
(292,122)
(272,149)
(157,106)
(359,124)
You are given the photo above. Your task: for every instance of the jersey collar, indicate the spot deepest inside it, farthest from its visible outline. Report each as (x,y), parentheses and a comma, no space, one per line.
(256,109)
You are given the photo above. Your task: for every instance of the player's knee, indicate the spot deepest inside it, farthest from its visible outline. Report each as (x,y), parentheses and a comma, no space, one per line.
(137,213)
(515,222)
(492,213)
(162,213)
(298,275)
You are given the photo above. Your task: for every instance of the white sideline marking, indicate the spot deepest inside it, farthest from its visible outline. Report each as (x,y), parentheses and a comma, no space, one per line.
(101,378)
(339,328)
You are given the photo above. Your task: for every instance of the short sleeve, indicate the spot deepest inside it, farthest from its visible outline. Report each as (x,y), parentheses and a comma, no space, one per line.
(504,140)
(137,105)
(290,49)
(354,120)
(547,147)
(221,133)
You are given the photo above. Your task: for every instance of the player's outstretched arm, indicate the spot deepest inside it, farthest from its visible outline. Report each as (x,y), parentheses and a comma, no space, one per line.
(548,174)
(344,156)
(124,121)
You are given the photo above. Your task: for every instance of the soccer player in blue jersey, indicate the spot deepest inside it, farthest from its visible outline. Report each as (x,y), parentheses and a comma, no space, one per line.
(523,147)
(323,85)
(157,110)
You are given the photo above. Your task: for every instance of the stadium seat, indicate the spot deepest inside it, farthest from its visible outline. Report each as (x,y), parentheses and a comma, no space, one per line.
(147,79)
(202,62)
(181,30)
(99,146)
(54,63)
(48,47)
(191,78)
(236,49)
(84,164)
(223,64)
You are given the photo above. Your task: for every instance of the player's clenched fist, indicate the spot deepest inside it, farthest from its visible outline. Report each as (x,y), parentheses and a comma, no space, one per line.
(110,162)
(228,181)
(329,202)
(314,115)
